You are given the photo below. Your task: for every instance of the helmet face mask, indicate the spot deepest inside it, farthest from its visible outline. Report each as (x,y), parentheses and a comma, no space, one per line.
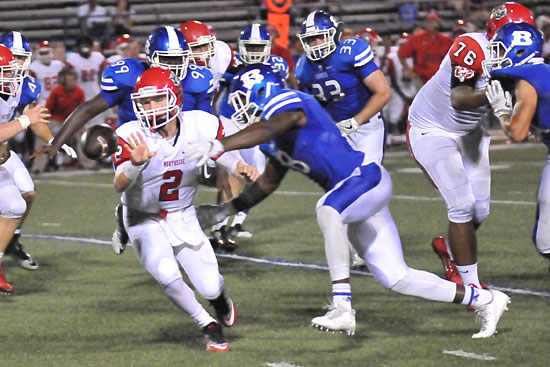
(250,90)
(254,44)
(44,52)
(319,35)
(20,49)
(514,44)
(157,98)
(11,79)
(166,48)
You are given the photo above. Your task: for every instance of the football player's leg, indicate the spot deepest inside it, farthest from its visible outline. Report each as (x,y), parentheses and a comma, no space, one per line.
(447,172)
(201,266)
(25,185)
(541,231)
(479,175)
(12,208)
(157,256)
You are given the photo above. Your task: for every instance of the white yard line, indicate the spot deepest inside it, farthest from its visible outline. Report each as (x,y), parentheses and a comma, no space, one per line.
(461,353)
(271,262)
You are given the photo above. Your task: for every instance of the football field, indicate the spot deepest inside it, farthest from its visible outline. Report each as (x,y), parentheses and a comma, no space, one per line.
(86,306)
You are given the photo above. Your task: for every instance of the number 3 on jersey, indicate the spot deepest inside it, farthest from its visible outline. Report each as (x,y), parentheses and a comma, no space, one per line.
(332,91)
(169,191)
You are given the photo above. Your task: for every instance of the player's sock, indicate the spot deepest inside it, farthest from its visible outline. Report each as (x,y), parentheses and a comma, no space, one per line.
(469,274)
(239,218)
(341,293)
(182,296)
(217,226)
(476,297)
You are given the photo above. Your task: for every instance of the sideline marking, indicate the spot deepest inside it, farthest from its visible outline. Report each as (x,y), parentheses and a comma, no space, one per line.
(461,353)
(274,262)
(281,364)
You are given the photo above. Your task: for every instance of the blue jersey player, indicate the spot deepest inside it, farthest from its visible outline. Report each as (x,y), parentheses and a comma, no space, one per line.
(516,53)
(354,206)
(344,78)
(254,48)
(165,47)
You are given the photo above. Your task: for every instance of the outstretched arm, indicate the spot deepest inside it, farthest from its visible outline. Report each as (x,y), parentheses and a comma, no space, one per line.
(74,122)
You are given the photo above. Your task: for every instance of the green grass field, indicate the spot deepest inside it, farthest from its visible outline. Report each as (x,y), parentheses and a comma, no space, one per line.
(86,306)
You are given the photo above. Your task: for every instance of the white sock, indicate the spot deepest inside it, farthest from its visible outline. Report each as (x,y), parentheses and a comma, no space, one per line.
(239,218)
(341,293)
(216,227)
(476,297)
(182,296)
(469,274)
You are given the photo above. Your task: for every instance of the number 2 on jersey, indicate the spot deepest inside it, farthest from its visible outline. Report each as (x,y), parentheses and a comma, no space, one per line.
(169,190)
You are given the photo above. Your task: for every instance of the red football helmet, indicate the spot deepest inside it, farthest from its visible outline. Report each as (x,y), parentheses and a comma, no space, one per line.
(157,98)
(507,13)
(44,52)
(10,79)
(403,37)
(122,43)
(200,39)
(369,35)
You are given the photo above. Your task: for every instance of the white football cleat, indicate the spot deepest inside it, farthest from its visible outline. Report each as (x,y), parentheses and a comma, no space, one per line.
(357,262)
(337,319)
(489,314)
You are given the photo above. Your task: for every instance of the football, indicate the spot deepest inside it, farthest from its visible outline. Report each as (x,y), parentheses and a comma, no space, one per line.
(99,141)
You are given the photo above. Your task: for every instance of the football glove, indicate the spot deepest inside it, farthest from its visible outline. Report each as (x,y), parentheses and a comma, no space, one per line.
(203,150)
(67,149)
(347,126)
(500,101)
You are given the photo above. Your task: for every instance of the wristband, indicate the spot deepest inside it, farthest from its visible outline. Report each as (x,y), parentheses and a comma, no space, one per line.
(24,121)
(131,171)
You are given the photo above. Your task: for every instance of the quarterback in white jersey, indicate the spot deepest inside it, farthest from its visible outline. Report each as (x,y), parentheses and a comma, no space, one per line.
(159,185)
(46,70)
(446,139)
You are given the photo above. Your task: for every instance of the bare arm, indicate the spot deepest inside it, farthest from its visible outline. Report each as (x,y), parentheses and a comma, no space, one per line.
(464,97)
(381,93)
(263,131)
(37,114)
(517,126)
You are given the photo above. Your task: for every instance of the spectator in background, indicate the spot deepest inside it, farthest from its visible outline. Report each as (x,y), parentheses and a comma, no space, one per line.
(347,33)
(62,101)
(295,48)
(123,18)
(408,13)
(94,21)
(427,48)
(135,50)
(543,23)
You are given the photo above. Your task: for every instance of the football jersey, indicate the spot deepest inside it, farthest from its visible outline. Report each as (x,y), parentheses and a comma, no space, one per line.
(538,76)
(223,56)
(432,105)
(46,75)
(169,181)
(87,70)
(119,79)
(29,93)
(316,149)
(337,80)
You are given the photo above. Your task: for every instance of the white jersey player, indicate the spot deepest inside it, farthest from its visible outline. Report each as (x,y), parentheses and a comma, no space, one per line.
(159,186)
(446,140)
(45,70)
(88,65)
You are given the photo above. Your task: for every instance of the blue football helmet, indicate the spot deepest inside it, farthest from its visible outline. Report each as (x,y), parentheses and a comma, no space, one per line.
(167,48)
(254,44)
(320,34)
(514,44)
(250,90)
(20,48)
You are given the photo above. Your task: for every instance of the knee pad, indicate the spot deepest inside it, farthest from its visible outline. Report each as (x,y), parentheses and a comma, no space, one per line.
(16,208)
(209,287)
(461,212)
(167,270)
(481,211)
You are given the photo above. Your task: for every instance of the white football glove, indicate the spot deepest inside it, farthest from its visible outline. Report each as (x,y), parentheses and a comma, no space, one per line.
(203,150)
(347,126)
(67,149)
(500,101)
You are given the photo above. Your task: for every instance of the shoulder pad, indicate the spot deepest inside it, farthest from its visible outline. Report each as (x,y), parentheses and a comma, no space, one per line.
(467,53)
(30,91)
(198,80)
